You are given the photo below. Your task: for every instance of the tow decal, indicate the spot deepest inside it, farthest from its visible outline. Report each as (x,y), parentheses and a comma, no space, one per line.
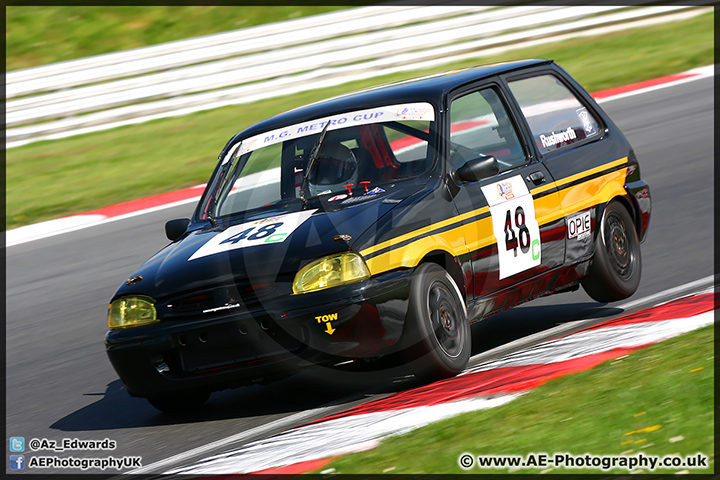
(327,319)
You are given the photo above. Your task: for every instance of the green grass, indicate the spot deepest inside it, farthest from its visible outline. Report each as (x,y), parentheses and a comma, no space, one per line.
(50,179)
(657,400)
(47,34)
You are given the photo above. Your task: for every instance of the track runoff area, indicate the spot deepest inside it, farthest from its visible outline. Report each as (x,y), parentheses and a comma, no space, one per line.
(188,195)
(493,378)
(483,385)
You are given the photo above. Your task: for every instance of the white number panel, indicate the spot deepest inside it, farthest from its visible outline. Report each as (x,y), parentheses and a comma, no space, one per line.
(258,232)
(514,225)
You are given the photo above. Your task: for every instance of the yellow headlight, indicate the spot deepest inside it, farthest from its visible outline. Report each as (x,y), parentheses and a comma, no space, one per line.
(331,271)
(129,312)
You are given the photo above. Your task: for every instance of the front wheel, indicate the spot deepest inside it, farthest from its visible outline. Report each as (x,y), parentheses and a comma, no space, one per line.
(615,269)
(437,325)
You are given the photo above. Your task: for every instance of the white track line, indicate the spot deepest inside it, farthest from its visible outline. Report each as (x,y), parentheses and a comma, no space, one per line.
(701,72)
(261,430)
(331,438)
(651,300)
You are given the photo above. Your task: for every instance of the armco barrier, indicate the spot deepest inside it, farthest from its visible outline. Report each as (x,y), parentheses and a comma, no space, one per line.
(177,78)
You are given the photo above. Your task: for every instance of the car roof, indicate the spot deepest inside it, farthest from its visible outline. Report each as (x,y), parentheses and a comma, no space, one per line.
(431,88)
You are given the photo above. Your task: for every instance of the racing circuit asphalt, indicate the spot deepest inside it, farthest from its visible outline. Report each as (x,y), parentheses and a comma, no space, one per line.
(59,383)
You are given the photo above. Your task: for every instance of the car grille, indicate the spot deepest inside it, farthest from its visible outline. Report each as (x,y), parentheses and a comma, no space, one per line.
(216,300)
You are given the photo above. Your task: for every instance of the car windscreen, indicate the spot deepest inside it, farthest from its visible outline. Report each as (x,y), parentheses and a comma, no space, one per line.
(351,152)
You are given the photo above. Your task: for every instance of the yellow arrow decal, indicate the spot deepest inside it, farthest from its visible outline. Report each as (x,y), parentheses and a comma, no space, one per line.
(329,329)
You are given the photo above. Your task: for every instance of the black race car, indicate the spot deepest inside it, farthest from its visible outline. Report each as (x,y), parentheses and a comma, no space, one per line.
(381,224)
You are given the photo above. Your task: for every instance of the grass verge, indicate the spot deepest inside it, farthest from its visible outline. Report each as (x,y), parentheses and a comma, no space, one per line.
(656,401)
(36,35)
(50,179)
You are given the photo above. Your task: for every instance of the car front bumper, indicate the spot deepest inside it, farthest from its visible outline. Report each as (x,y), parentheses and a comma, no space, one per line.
(361,320)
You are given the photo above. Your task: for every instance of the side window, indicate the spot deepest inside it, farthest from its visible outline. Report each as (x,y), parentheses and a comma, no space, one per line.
(556,117)
(480,125)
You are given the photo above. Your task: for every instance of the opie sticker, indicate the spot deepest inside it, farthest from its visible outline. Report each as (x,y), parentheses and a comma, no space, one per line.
(579,226)
(514,225)
(258,232)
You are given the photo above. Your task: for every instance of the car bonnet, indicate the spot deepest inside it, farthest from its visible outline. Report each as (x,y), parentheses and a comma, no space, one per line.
(269,248)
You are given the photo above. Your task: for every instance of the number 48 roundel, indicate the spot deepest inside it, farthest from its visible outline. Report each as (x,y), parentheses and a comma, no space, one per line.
(253,234)
(514,225)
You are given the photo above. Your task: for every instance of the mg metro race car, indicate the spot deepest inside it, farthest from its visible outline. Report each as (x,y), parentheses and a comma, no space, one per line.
(383,223)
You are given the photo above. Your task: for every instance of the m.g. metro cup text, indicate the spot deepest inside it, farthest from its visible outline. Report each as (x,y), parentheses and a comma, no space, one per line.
(585,461)
(104,463)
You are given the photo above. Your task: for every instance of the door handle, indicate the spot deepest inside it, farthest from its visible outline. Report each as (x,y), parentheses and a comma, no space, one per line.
(536,177)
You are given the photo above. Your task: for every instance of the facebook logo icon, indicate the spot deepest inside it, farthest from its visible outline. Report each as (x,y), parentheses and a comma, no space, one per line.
(17,462)
(17,444)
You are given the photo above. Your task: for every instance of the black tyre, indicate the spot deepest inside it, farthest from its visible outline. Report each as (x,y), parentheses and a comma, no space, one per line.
(616,267)
(437,325)
(178,402)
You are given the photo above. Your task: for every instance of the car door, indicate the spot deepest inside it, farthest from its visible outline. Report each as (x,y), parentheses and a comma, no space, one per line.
(571,139)
(512,228)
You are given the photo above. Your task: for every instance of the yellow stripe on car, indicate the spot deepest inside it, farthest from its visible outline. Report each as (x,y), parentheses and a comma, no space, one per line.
(479,234)
(577,176)
(423,231)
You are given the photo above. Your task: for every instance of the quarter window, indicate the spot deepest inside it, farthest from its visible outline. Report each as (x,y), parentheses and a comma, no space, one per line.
(480,125)
(555,115)
(405,145)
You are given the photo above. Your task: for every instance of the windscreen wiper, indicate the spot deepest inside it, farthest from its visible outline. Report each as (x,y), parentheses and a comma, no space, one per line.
(313,156)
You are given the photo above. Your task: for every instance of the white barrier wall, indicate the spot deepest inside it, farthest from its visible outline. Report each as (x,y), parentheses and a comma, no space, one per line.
(244,66)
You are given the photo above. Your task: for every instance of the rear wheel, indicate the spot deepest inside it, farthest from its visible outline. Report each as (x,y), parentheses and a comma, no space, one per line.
(437,324)
(616,267)
(177,402)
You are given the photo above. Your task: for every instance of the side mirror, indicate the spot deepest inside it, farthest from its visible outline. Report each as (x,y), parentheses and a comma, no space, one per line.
(175,228)
(478,168)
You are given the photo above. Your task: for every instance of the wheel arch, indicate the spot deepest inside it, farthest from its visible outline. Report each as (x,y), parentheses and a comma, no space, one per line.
(630,205)
(614,272)
(451,265)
